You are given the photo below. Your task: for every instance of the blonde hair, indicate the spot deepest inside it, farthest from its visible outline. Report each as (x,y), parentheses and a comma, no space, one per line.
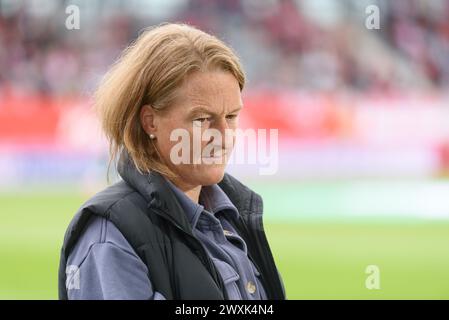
(148,73)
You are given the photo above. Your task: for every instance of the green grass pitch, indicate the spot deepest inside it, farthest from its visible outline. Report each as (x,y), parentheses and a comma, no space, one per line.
(322,259)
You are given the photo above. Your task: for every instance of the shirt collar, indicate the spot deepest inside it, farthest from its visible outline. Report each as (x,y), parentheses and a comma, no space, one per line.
(212,198)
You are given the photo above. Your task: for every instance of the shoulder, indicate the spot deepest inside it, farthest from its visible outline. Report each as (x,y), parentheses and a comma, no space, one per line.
(99,232)
(103,202)
(92,222)
(103,265)
(109,197)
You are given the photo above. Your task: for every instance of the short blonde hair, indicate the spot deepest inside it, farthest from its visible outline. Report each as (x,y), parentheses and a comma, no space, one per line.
(148,72)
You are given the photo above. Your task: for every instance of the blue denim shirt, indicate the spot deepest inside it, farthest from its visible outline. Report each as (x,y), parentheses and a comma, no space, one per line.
(109,268)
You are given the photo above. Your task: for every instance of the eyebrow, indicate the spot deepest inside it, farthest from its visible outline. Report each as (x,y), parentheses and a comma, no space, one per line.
(203,110)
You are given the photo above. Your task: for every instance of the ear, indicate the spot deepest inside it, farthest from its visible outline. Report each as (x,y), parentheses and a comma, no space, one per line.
(147,115)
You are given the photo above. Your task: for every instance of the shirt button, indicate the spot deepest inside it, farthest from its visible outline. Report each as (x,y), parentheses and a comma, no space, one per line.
(251,287)
(227,233)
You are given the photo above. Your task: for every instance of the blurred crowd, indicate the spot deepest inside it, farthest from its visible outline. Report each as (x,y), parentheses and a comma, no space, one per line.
(310,45)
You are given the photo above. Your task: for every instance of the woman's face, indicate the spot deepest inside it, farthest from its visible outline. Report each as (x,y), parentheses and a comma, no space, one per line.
(201,122)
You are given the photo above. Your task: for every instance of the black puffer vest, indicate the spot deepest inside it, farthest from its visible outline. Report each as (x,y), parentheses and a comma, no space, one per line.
(147,213)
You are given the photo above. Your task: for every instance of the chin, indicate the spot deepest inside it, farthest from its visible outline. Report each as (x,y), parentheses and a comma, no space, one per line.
(211,174)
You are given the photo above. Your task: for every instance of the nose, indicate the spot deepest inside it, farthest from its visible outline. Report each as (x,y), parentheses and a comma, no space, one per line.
(226,133)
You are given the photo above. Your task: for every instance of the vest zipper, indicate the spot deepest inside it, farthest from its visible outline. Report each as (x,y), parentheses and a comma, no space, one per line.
(199,248)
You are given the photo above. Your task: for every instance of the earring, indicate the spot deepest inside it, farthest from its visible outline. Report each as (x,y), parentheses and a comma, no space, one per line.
(152,136)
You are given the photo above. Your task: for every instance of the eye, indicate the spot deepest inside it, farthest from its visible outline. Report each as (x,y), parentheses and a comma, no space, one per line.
(231,116)
(201,119)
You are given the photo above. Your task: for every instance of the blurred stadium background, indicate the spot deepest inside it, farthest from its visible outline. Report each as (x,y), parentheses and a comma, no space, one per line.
(363,119)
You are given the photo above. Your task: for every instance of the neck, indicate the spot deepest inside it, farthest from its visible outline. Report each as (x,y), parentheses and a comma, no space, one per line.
(193,192)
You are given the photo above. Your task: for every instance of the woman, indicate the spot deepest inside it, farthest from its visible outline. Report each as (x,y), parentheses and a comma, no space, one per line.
(170,229)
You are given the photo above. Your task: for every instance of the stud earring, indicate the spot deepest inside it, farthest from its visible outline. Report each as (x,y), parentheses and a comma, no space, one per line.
(152,136)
